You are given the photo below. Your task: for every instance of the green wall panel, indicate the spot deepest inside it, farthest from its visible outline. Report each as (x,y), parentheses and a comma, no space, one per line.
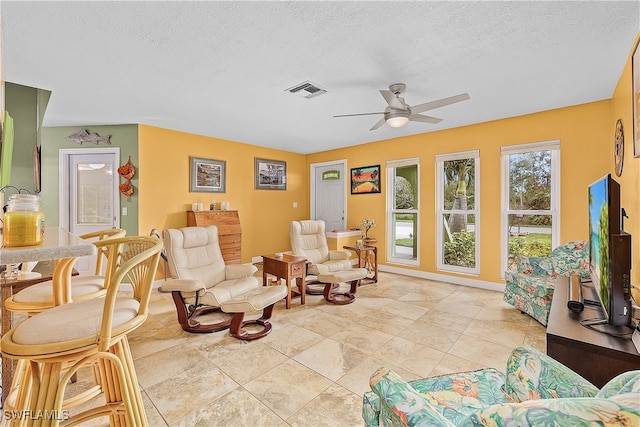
(54,139)
(25,105)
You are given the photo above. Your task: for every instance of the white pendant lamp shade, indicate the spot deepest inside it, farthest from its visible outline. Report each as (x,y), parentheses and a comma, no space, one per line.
(397,121)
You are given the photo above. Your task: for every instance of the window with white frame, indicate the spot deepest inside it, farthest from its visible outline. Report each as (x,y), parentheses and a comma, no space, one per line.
(530,200)
(403,213)
(458,215)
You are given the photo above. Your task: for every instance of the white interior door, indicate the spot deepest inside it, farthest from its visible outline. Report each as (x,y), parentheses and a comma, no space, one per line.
(90,199)
(328,189)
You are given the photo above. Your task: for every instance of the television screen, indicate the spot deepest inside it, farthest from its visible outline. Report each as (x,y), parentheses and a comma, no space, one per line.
(609,252)
(599,238)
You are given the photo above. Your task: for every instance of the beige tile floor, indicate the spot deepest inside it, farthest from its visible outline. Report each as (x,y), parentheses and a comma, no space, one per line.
(315,365)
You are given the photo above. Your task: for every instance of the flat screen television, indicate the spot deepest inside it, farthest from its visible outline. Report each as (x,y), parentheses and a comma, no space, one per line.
(609,253)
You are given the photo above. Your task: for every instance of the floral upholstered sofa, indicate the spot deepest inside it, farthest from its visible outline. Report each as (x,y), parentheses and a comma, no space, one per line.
(536,391)
(530,287)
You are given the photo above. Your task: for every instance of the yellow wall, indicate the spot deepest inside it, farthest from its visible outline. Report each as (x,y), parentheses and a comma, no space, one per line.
(585,156)
(585,133)
(622,108)
(164,195)
(583,136)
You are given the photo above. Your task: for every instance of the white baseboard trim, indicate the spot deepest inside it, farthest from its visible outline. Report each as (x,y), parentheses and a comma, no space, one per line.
(456,280)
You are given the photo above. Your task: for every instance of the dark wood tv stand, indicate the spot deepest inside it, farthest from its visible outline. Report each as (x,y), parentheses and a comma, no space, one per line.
(596,356)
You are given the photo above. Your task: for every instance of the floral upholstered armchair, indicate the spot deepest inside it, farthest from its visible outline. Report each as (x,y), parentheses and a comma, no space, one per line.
(536,391)
(530,287)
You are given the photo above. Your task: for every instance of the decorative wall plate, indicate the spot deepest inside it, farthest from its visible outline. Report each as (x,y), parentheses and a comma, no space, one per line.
(618,148)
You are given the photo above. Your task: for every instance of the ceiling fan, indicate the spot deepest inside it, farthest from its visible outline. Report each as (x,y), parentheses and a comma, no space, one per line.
(399,113)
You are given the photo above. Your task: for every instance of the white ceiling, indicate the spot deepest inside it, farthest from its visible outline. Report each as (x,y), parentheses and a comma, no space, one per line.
(221,68)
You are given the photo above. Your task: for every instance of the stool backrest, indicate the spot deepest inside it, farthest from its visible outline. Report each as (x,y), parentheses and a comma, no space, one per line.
(110,233)
(135,261)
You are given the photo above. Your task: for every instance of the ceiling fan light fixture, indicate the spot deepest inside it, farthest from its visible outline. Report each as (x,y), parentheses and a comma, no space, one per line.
(398,113)
(397,120)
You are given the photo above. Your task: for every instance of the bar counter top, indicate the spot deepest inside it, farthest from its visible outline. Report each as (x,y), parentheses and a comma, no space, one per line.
(58,243)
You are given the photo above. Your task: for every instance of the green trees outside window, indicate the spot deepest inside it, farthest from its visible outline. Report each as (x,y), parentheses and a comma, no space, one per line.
(457,207)
(530,211)
(403,215)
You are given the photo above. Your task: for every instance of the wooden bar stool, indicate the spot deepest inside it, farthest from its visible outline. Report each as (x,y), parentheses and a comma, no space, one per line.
(56,291)
(62,288)
(54,351)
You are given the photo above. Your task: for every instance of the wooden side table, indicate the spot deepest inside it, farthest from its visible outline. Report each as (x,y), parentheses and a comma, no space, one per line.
(364,260)
(287,267)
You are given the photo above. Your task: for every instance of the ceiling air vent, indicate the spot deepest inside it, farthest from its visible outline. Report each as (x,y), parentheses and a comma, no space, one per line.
(306,90)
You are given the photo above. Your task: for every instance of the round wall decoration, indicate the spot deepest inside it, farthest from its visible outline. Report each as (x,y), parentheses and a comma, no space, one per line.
(618,148)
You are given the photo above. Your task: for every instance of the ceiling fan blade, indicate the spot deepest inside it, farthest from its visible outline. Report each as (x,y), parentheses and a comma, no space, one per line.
(439,103)
(424,119)
(360,114)
(392,100)
(378,124)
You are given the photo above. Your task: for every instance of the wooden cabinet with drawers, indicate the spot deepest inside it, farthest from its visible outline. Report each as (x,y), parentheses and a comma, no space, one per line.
(229,231)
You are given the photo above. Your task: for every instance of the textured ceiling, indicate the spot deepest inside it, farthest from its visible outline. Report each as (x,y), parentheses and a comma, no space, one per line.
(221,68)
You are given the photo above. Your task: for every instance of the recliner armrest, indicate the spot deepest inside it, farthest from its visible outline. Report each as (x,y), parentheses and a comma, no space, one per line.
(402,404)
(534,375)
(339,254)
(237,271)
(183,285)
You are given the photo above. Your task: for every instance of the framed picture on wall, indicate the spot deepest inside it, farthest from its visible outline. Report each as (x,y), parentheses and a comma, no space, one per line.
(635,72)
(208,175)
(365,180)
(270,174)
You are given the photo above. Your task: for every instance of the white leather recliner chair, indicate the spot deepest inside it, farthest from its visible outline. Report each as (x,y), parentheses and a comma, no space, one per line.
(201,283)
(330,267)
